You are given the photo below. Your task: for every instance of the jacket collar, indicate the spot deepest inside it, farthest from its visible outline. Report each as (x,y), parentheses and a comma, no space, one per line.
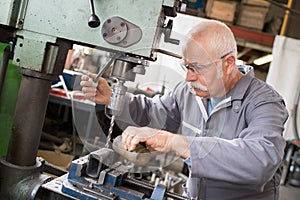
(239,90)
(236,94)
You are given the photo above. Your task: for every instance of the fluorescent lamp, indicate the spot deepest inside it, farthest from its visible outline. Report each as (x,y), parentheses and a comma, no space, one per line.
(263,60)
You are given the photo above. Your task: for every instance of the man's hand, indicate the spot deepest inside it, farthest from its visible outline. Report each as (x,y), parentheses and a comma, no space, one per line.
(98,92)
(156,140)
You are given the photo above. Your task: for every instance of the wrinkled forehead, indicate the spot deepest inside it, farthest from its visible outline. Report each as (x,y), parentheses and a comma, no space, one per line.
(194,51)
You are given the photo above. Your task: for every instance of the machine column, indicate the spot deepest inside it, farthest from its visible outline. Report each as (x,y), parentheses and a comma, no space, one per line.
(31,107)
(21,170)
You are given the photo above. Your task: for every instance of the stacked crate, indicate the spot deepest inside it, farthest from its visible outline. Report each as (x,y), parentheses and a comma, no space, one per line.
(252,14)
(221,9)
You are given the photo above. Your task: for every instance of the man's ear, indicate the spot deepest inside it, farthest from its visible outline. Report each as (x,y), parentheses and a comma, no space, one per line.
(230,64)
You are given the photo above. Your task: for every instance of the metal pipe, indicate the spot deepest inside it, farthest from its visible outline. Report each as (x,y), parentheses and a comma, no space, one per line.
(52,138)
(31,107)
(6,56)
(286,17)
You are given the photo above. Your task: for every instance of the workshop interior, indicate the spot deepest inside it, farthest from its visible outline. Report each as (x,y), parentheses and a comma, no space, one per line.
(56,144)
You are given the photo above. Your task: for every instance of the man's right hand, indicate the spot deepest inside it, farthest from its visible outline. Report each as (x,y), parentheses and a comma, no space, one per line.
(97,92)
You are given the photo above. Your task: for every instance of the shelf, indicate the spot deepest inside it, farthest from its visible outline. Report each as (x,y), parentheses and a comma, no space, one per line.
(253,39)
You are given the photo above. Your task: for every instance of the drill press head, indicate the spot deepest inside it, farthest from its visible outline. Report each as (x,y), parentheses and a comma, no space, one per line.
(124,69)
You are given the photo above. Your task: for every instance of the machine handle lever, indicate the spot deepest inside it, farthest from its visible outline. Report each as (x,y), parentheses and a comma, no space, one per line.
(105,67)
(94,20)
(167,31)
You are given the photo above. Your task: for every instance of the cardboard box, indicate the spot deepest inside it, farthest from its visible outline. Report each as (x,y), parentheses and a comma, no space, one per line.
(221,10)
(56,158)
(252,14)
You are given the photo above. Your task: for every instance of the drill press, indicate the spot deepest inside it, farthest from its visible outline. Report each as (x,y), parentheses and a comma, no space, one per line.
(42,32)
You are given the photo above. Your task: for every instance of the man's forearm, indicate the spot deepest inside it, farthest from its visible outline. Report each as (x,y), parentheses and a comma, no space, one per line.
(180,145)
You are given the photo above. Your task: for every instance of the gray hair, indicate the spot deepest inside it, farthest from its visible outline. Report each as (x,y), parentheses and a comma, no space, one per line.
(216,36)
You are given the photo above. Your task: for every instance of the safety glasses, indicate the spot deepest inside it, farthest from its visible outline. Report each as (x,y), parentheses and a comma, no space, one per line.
(200,68)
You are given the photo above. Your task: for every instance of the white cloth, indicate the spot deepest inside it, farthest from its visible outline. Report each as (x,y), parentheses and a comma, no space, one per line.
(284,74)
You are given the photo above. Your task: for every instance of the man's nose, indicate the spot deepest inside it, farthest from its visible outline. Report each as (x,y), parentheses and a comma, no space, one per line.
(190,76)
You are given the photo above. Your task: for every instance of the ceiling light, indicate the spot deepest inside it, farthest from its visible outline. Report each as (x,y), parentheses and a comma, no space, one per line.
(263,60)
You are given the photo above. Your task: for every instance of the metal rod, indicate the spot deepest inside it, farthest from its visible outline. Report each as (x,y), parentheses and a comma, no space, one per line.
(169,53)
(6,56)
(105,67)
(92,8)
(52,138)
(28,121)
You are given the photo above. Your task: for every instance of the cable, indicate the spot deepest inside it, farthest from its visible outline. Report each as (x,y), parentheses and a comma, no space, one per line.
(284,7)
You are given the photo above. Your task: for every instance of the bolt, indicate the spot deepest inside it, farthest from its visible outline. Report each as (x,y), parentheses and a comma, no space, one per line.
(20,22)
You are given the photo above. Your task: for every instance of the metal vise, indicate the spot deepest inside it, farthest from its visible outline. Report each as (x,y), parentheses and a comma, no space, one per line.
(99,176)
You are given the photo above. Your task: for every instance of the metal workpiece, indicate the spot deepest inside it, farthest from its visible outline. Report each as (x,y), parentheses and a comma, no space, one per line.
(98,160)
(140,156)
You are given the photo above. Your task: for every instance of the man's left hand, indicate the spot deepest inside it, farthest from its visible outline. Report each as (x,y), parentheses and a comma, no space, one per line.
(156,140)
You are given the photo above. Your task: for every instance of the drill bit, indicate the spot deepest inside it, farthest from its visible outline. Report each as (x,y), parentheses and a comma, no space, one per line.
(112,123)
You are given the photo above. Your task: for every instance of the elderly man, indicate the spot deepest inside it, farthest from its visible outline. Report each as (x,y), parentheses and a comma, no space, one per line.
(226,124)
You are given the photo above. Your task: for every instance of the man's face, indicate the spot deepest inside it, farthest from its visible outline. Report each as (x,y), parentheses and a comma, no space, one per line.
(203,72)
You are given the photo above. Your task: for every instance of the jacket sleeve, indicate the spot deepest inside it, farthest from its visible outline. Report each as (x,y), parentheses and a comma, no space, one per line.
(253,157)
(160,112)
